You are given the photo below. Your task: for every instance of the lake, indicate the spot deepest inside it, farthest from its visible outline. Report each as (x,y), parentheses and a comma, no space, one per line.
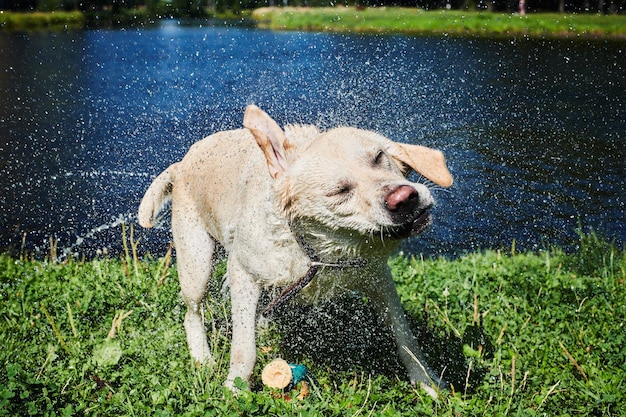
(533,130)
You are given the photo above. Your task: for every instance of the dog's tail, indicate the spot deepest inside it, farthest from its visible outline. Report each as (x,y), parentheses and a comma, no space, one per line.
(156,198)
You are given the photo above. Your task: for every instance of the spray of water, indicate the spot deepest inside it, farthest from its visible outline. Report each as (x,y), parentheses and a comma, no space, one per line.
(72,249)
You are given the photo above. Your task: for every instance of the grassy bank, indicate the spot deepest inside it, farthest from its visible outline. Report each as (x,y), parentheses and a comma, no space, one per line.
(346,19)
(56,21)
(15,21)
(105,337)
(415,21)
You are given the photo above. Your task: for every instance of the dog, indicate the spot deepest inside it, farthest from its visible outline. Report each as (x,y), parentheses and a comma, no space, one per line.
(316,212)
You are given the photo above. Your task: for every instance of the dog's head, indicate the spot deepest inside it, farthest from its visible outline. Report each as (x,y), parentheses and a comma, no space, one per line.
(349,182)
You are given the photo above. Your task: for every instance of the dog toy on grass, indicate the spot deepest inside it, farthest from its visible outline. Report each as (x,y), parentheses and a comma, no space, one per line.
(280,374)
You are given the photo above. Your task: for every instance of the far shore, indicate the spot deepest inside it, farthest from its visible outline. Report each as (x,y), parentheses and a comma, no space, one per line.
(391,20)
(412,21)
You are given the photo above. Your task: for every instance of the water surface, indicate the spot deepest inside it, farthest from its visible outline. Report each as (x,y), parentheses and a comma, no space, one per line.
(533,130)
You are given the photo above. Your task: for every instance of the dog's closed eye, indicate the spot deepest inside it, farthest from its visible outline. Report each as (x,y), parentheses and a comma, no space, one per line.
(380,160)
(342,189)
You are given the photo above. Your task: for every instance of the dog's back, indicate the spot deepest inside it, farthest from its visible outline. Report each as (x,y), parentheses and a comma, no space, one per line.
(214,176)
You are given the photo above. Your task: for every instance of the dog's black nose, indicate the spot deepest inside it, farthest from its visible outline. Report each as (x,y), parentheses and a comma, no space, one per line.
(402,201)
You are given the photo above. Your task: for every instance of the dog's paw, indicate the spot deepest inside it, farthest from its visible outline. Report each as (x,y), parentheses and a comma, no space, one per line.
(432,387)
(236,385)
(429,390)
(230,384)
(201,356)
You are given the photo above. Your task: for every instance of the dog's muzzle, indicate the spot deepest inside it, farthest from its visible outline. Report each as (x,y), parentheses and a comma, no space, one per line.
(403,204)
(410,228)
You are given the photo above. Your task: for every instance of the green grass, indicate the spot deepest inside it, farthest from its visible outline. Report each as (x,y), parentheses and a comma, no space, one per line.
(105,337)
(371,20)
(453,22)
(59,20)
(17,21)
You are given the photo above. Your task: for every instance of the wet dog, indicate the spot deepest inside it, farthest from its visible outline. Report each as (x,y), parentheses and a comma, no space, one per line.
(316,212)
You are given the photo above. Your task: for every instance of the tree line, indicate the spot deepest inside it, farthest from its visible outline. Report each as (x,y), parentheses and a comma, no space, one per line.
(202,8)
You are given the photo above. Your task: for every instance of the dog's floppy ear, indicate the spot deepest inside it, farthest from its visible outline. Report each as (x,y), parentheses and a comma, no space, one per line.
(428,162)
(271,139)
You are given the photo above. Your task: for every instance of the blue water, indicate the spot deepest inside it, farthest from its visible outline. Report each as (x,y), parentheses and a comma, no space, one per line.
(533,130)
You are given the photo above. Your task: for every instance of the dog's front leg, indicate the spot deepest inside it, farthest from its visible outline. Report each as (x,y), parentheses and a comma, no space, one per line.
(244,295)
(382,293)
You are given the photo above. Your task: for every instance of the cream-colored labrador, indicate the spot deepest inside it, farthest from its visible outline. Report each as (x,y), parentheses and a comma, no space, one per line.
(326,216)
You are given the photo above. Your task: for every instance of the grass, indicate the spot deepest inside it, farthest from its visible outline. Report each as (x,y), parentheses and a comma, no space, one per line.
(538,334)
(17,21)
(409,21)
(453,22)
(74,20)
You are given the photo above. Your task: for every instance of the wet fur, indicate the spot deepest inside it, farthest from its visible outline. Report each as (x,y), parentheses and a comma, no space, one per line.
(262,191)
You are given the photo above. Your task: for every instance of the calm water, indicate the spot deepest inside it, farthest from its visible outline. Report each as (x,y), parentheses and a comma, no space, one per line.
(534,131)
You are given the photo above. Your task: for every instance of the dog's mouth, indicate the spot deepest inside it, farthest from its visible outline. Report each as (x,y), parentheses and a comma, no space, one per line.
(411,228)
